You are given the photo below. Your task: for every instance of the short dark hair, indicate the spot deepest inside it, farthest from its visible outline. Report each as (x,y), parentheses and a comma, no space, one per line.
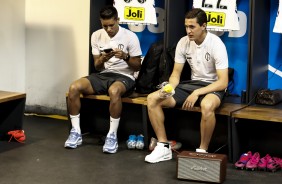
(109,12)
(199,14)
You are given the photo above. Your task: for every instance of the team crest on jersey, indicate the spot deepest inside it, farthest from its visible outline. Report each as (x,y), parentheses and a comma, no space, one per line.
(127,1)
(207,56)
(141,1)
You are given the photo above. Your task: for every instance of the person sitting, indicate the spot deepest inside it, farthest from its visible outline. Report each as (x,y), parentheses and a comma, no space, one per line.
(208,60)
(117,55)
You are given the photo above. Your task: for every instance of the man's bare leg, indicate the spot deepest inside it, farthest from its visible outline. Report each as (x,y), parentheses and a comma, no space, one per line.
(208,121)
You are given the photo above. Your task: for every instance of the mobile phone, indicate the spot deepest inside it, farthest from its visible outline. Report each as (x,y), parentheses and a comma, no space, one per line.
(107,50)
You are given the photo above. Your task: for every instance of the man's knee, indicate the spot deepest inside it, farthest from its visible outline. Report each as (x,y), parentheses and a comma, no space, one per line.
(80,86)
(151,100)
(210,103)
(74,88)
(115,92)
(208,108)
(207,105)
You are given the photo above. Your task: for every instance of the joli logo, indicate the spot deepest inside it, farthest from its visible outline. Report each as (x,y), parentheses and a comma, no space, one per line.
(134,13)
(216,18)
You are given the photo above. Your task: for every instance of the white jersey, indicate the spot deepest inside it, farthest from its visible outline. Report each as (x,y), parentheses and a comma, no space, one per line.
(136,11)
(203,59)
(125,40)
(221,14)
(278,22)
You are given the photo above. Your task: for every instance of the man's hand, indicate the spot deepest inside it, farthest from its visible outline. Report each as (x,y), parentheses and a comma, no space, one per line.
(107,56)
(119,54)
(166,90)
(190,101)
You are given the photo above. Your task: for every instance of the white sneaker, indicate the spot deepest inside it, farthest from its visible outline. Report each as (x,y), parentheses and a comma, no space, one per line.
(160,153)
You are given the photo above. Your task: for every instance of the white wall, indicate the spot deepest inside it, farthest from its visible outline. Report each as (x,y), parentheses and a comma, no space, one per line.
(43,48)
(12,45)
(57,41)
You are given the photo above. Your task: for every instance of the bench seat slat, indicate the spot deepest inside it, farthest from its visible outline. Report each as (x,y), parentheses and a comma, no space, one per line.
(225,109)
(250,112)
(259,113)
(136,100)
(6,96)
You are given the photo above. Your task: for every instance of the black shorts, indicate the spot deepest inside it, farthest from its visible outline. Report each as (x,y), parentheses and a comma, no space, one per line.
(185,88)
(102,81)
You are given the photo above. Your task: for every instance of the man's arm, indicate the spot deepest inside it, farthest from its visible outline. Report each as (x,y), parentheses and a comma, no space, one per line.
(99,60)
(133,62)
(175,75)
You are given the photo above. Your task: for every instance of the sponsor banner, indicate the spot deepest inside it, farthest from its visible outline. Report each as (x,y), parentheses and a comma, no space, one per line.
(278,22)
(221,14)
(136,11)
(149,34)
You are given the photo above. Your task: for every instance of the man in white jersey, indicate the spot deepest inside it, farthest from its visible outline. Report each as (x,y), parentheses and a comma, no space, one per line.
(117,55)
(207,57)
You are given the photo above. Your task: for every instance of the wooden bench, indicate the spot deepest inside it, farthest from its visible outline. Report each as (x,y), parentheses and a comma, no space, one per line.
(262,115)
(135,100)
(226,109)
(12,105)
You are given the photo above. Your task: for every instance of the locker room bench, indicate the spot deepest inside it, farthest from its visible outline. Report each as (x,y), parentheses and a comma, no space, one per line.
(139,107)
(262,117)
(12,105)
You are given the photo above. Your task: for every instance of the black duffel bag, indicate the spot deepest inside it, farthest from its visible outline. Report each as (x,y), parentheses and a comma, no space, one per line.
(269,97)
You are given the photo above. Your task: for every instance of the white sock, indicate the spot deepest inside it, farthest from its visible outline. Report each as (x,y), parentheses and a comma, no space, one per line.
(199,150)
(75,122)
(114,123)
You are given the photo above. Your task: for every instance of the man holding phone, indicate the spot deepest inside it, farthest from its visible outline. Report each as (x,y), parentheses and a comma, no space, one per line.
(108,50)
(117,55)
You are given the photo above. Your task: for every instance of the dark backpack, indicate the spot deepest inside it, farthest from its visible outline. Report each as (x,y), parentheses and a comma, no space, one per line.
(148,77)
(166,64)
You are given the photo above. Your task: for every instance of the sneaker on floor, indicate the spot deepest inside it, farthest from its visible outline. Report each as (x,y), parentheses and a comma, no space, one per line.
(131,142)
(252,164)
(111,144)
(272,165)
(161,152)
(278,161)
(140,142)
(174,144)
(153,144)
(241,163)
(73,140)
(262,165)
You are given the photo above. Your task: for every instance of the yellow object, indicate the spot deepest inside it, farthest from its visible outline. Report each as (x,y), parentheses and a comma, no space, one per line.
(168,88)
(47,116)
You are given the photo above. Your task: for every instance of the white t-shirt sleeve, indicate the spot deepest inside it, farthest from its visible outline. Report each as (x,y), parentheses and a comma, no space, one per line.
(134,48)
(94,43)
(220,55)
(181,50)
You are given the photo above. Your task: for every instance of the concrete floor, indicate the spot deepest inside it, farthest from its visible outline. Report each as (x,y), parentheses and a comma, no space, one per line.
(44,160)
